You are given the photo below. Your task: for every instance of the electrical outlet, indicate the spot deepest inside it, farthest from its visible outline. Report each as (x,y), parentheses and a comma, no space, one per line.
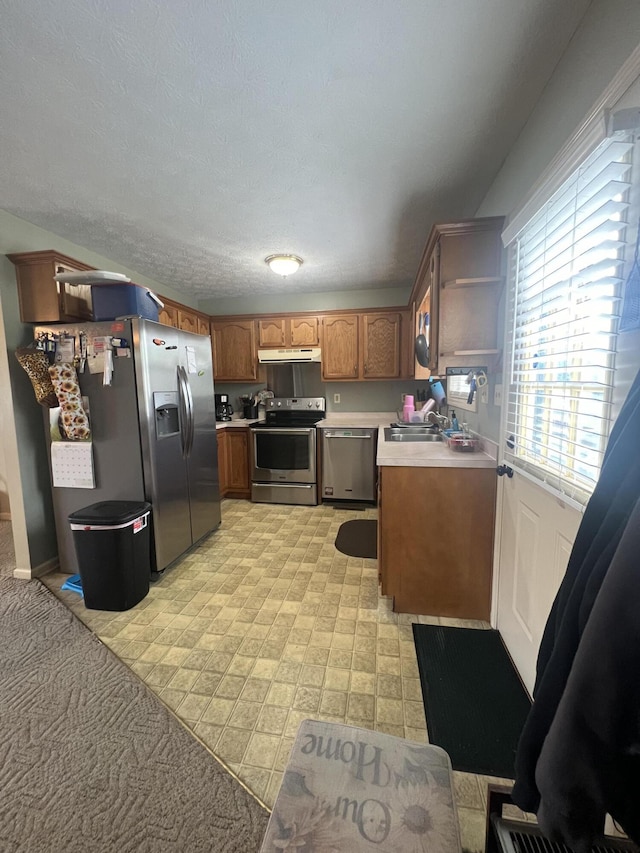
(336,398)
(497,395)
(484,395)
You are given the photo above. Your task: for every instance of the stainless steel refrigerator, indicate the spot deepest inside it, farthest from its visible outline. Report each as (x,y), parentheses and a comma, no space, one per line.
(153,433)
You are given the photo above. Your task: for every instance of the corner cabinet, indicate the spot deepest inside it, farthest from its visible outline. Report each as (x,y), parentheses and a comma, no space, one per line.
(44,300)
(233,342)
(381,353)
(374,345)
(458,286)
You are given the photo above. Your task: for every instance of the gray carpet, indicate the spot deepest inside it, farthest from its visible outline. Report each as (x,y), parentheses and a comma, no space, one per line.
(90,759)
(7,553)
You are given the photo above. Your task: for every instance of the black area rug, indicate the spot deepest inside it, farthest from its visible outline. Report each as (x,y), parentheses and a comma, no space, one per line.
(358,538)
(474,701)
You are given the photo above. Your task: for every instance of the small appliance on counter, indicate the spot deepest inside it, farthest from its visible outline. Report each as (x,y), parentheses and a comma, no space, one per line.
(224,409)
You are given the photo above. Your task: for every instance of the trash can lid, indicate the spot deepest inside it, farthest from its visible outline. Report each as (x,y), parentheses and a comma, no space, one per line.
(109,512)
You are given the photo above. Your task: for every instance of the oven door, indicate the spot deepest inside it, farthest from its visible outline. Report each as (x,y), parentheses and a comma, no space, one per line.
(283,455)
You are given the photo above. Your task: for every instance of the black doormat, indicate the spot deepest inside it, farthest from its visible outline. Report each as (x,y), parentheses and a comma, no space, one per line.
(358,538)
(474,701)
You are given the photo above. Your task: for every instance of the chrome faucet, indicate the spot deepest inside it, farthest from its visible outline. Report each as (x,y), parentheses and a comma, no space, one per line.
(440,421)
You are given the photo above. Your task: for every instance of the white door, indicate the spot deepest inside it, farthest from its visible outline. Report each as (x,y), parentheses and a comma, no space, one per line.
(535,534)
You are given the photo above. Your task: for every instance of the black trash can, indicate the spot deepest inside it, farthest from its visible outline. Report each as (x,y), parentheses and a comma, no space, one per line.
(113,545)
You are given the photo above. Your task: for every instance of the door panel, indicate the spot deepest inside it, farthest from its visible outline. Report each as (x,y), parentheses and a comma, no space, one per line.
(202,462)
(164,469)
(537,531)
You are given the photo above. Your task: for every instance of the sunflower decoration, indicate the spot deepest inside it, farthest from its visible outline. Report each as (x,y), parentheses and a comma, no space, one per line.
(313,832)
(422,818)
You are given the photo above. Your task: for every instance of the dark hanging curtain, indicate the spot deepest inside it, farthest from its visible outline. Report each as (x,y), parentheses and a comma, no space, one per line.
(579,753)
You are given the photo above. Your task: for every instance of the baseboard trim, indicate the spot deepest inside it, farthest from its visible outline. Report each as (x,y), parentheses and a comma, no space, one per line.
(22,574)
(5,516)
(37,571)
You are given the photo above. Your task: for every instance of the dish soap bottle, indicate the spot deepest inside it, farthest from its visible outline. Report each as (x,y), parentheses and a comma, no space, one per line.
(454,420)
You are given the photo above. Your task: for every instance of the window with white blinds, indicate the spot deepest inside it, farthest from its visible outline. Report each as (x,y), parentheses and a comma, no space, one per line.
(567,268)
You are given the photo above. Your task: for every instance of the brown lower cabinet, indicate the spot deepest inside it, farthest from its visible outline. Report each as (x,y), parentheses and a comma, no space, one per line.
(436,539)
(233,462)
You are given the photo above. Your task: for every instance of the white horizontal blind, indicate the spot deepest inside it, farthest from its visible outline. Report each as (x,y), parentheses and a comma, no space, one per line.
(566,269)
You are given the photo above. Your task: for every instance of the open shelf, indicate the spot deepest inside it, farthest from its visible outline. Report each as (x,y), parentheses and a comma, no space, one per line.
(471,282)
(470,352)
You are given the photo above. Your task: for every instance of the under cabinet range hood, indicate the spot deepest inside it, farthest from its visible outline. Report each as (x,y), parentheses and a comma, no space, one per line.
(289,356)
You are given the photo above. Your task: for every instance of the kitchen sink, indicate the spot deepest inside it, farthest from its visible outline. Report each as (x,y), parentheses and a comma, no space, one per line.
(417,429)
(411,434)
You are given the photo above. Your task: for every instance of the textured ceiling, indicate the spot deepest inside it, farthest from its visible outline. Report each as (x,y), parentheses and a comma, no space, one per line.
(188,140)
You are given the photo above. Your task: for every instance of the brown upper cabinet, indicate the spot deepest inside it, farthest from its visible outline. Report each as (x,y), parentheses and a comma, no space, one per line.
(372,345)
(459,285)
(234,350)
(168,315)
(340,346)
(44,300)
(181,317)
(288,332)
(381,351)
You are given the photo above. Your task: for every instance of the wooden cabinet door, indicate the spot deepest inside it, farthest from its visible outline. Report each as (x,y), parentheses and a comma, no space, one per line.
(238,461)
(381,346)
(304,332)
(288,332)
(168,315)
(43,300)
(427,317)
(340,346)
(234,350)
(223,461)
(435,568)
(203,325)
(187,321)
(272,332)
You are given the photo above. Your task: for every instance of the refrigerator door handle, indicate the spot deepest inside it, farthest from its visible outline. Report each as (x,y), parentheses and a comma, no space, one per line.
(184,413)
(191,423)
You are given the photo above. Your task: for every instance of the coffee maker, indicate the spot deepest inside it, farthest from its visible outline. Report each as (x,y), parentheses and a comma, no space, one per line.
(224,409)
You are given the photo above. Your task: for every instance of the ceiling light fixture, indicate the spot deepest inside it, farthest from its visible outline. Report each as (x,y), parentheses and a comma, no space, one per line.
(284,265)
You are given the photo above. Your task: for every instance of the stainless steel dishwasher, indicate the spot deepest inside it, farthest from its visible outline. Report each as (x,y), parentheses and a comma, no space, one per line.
(349,464)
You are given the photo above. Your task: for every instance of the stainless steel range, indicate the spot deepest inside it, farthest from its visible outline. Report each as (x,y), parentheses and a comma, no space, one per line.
(284,451)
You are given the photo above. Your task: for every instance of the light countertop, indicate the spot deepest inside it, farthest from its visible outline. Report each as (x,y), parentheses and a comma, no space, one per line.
(432,454)
(413,454)
(236,422)
(358,419)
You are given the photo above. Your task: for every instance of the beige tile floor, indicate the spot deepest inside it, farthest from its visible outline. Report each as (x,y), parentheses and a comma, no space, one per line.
(265,624)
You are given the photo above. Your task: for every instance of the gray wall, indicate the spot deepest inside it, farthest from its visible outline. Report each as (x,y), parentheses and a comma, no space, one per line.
(606,37)
(16,235)
(330,301)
